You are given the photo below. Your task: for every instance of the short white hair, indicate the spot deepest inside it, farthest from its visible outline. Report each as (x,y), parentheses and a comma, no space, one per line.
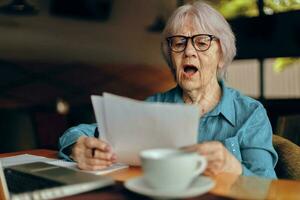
(204,18)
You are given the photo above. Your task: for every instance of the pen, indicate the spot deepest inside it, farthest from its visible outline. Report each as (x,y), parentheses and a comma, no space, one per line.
(96,133)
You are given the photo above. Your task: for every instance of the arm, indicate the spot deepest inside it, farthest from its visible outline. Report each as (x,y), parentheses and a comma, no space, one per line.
(249,152)
(258,155)
(81,144)
(69,138)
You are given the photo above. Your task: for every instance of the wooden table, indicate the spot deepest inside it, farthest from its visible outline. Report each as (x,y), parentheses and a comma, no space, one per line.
(228,186)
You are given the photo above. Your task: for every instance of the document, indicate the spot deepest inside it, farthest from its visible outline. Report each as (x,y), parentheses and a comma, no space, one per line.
(28,158)
(73,165)
(131,126)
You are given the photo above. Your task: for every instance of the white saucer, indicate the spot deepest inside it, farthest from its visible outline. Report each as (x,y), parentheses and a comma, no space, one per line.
(200,185)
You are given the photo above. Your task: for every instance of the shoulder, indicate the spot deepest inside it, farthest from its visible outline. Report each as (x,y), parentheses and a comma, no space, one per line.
(250,116)
(169,96)
(247,111)
(245,104)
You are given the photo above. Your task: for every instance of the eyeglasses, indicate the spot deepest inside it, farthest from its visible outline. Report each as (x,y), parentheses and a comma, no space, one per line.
(201,42)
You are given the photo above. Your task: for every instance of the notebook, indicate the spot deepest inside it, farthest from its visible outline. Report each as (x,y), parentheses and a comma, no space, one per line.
(39,180)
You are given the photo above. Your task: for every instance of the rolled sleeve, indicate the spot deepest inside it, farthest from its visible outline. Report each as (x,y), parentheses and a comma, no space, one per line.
(258,155)
(258,163)
(71,136)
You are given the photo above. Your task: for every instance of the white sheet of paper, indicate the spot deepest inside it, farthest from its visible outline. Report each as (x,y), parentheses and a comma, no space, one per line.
(133,126)
(28,158)
(98,106)
(73,165)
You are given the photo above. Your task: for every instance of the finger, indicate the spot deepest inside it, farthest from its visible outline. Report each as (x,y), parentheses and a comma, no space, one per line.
(216,165)
(97,144)
(95,161)
(191,148)
(209,147)
(214,156)
(103,155)
(213,166)
(204,148)
(209,172)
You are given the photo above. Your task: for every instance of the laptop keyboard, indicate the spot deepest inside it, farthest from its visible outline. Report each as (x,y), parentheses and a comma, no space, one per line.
(19,182)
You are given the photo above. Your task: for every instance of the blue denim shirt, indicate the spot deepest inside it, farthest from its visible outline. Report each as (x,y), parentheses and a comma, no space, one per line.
(238,121)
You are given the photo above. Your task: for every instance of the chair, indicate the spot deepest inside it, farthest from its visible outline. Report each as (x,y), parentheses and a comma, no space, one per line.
(288,126)
(288,166)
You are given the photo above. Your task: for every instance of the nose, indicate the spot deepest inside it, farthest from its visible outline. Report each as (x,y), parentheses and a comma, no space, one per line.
(190,49)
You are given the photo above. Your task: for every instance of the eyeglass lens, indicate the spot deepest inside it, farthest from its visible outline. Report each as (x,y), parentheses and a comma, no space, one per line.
(200,42)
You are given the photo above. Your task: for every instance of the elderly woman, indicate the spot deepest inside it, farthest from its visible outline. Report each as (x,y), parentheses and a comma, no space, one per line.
(234,131)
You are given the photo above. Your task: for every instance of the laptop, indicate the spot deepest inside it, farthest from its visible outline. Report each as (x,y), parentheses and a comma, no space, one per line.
(40,180)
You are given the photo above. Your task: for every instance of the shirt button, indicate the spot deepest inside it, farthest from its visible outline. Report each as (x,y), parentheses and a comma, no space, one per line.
(233,150)
(232,144)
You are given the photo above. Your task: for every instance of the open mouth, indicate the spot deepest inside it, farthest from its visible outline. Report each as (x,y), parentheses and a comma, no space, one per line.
(190,70)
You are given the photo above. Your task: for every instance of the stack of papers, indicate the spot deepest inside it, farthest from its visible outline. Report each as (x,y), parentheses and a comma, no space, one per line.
(131,126)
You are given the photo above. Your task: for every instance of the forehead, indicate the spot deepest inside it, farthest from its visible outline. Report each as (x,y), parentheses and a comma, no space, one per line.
(187,25)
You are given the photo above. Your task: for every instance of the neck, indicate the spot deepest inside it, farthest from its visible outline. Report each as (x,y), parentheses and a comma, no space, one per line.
(206,97)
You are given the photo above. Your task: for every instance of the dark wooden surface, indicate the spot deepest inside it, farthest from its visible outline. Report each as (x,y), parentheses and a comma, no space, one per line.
(119,192)
(228,186)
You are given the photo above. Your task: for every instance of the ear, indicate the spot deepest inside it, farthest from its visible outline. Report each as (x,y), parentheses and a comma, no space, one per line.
(221,58)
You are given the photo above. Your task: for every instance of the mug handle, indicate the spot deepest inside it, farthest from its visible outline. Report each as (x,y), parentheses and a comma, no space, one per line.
(202,165)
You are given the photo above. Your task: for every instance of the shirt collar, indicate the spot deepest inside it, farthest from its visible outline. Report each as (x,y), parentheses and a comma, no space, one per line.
(225,106)
(178,95)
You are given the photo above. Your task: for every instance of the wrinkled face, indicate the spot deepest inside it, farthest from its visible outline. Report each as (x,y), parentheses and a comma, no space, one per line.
(195,69)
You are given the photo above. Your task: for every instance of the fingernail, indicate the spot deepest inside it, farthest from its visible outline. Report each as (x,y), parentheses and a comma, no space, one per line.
(107,148)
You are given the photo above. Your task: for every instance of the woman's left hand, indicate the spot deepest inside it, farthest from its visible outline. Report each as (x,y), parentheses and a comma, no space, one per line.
(219,159)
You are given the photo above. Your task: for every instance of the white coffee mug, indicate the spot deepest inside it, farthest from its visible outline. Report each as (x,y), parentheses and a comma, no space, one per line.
(171,169)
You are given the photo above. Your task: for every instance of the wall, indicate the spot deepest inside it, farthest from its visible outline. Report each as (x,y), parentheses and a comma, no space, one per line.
(244,75)
(17,132)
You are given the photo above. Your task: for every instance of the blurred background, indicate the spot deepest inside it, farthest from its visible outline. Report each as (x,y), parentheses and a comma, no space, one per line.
(55,53)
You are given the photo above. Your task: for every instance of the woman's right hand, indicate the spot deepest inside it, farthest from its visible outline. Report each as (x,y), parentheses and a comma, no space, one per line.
(92,153)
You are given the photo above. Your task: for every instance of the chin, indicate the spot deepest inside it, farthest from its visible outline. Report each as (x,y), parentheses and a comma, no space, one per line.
(189,85)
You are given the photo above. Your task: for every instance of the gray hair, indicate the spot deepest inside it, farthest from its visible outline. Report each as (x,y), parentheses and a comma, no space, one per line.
(204,18)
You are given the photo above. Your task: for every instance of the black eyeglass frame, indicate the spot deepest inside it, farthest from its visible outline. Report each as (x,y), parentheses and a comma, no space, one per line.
(211,38)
